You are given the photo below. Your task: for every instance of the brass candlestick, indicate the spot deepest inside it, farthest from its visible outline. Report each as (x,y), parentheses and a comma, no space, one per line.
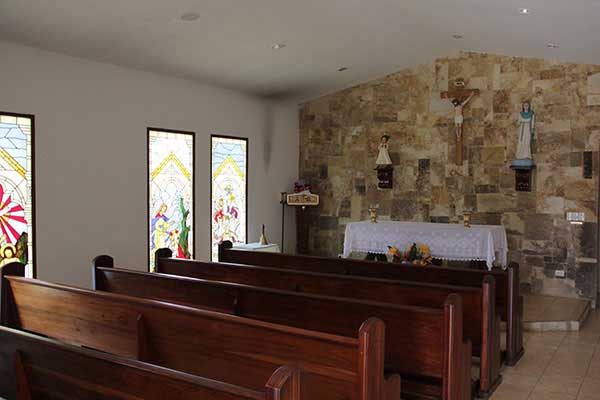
(373,214)
(467,220)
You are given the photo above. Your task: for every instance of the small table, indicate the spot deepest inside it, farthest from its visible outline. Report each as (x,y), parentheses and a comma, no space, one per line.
(267,248)
(447,241)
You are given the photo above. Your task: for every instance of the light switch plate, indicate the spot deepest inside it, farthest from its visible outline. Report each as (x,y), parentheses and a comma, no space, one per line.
(575,217)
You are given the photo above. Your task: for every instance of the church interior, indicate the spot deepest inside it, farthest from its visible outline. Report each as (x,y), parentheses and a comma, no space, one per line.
(299,200)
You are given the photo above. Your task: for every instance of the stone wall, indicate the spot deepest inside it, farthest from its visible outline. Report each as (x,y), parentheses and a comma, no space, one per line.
(340,133)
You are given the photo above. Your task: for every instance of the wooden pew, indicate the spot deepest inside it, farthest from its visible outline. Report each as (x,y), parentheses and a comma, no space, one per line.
(424,345)
(508,301)
(32,367)
(481,324)
(222,347)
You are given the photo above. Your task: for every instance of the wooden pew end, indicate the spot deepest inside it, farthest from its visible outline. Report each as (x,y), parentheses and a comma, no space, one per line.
(514,345)
(103,261)
(459,352)
(8,318)
(491,361)
(163,253)
(224,245)
(284,384)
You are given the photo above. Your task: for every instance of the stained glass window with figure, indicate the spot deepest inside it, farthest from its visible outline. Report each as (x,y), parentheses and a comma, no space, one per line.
(16,190)
(229,162)
(170,193)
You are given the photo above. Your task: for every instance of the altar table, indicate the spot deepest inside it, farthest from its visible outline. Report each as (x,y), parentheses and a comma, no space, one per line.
(447,241)
(267,248)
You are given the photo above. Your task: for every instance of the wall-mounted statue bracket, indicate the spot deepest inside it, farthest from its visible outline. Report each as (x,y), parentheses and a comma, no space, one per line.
(523,174)
(385,175)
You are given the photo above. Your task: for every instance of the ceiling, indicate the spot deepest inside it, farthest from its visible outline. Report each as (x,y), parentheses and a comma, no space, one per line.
(230,45)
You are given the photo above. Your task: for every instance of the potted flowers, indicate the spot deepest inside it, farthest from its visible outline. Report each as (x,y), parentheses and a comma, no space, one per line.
(415,254)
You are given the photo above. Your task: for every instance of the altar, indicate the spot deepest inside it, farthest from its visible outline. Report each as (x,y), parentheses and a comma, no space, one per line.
(447,241)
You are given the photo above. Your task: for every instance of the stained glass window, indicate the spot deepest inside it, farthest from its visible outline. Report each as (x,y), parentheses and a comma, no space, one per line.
(171,192)
(229,160)
(16,190)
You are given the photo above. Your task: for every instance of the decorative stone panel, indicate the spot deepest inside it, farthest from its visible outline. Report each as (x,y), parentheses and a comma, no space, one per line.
(339,137)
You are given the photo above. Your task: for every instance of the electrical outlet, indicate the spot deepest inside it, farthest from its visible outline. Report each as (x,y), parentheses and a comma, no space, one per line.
(559,273)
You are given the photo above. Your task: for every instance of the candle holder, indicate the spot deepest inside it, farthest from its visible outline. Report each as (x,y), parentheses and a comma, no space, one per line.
(373,214)
(467,220)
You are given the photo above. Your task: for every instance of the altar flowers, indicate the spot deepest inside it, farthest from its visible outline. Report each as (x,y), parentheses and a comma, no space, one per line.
(416,254)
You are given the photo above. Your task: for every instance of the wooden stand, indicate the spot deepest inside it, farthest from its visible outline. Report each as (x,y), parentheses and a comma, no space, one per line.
(300,201)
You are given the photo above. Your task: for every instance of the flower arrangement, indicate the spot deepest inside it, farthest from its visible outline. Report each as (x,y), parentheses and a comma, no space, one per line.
(416,254)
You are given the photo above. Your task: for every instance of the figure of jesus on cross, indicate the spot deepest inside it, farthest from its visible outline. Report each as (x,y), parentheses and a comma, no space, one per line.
(458,114)
(459,99)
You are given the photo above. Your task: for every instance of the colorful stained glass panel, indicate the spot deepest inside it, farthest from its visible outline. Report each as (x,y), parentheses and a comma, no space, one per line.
(229,160)
(171,193)
(16,190)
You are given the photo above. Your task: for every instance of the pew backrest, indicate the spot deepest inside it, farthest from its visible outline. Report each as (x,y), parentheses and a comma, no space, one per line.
(33,367)
(226,348)
(414,335)
(509,304)
(372,289)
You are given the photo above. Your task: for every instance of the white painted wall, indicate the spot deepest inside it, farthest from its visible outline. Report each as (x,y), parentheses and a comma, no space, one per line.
(91,121)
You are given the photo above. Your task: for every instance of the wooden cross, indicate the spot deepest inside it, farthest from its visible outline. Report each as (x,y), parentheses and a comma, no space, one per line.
(463,96)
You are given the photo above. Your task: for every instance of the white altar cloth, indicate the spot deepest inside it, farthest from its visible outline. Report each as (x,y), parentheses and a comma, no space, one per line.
(447,241)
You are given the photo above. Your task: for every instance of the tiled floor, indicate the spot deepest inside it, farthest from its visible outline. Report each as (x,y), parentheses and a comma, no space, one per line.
(556,366)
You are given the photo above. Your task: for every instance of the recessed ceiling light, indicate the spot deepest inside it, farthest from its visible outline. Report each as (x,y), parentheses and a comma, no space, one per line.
(278,46)
(524,11)
(457,37)
(553,45)
(342,69)
(190,17)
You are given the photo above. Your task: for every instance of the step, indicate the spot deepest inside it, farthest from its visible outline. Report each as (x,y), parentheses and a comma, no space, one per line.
(549,313)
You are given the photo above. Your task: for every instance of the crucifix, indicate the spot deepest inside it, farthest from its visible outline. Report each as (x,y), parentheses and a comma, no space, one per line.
(459,98)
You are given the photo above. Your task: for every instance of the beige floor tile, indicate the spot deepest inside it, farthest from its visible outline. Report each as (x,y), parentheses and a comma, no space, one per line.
(545,338)
(590,390)
(570,365)
(594,369)
(589,337)
(503,393)
(571,360)
(576,349)
(515,387)
(558,384)
(535,360)
(537,395)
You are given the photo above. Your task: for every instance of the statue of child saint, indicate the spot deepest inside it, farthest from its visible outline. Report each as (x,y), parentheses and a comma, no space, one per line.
(384,157)
(526,130)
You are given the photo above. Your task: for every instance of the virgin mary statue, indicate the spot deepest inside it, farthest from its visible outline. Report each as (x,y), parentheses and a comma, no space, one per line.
(526,130)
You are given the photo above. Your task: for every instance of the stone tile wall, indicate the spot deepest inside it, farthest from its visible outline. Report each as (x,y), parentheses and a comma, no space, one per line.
(339,135)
